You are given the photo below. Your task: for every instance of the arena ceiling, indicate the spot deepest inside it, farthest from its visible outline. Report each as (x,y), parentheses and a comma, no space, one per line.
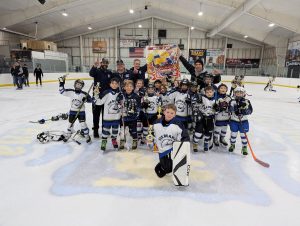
(231,18)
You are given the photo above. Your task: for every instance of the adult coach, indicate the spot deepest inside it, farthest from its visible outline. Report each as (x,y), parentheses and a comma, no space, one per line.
(102,77)
(198,72)
(122,73)
(138,72)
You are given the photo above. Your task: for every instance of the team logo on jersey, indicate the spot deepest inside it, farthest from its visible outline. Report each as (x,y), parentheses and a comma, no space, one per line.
(113,107)
(76,103)
(151,106)
(167,141)
(180,105)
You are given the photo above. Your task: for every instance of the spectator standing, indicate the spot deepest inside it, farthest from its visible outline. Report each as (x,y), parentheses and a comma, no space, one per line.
(38,73)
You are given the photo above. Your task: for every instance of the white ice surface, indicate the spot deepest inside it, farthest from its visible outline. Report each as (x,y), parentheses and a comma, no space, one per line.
(59,184)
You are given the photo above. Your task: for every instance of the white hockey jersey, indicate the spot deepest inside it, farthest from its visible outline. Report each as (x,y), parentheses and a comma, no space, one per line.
(244,111)
(76,98)
(153,103)
(223,115)
(166,135)
(111,108)
(207,106)
(179,99)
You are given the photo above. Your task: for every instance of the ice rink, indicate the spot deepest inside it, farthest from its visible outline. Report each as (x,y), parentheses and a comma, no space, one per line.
(58,184)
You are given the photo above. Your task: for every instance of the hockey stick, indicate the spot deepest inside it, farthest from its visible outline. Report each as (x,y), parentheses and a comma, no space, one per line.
(262,163)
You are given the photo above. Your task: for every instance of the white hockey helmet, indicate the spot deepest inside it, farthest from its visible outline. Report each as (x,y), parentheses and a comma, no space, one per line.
(240,89)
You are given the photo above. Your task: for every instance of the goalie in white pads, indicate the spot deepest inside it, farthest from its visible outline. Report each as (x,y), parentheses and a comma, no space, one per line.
(168,130)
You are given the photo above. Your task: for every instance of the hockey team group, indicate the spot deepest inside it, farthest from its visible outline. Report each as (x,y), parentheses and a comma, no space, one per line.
(160,113)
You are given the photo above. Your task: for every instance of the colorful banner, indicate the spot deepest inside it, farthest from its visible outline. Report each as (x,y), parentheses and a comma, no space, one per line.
(135,52)
(163,61)
(214,58)
(293,54)
(242,63)
(99,46)
(195,54)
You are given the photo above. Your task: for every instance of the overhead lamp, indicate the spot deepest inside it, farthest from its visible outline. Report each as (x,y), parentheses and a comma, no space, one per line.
(140,26)
(4,28)
(271,25)
(64,13)
(131,11)
(192,28)
(200,11)
(246,36)
(90,28)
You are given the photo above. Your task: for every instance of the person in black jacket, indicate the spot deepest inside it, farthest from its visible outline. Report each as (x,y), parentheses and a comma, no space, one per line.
(122,73)
(198,72)
(18,73)
(102,78)
(26,75)
(38,73)
(138,72)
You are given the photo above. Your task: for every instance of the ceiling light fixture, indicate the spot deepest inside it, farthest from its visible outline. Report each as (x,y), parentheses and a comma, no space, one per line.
(246,36)
(192,28)
(271,25)
(4,28)
(90,28)
(64,13)
(131,11)
(140,26)
(200,11)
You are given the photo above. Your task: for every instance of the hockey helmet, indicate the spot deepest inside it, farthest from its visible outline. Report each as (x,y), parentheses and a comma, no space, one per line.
(78,84)
(194,83)
(43,137)
(184,82)
(150,86)
(240,89)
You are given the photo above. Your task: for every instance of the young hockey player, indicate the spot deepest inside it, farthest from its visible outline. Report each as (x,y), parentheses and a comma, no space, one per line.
(164,95)
(152,105)
(206,125)
(222,115)
(179,98)
(270,84)
(167,130)
(140,90)
(207,81)
(131,106)
(192,94)
(77,111)
(236,82)
(111,114)
(239,107)
(157,85)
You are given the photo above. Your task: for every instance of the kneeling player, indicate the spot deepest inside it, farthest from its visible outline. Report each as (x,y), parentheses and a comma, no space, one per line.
(168,130)
(77,111)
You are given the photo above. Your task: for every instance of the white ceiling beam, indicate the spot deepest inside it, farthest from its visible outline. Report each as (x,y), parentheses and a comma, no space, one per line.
(103,29)
(91,19)
(35,11)
(242,9)
(221,34)
(281,20)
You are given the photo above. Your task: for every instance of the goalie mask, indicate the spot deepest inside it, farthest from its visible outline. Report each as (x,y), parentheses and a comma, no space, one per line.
(78,85)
